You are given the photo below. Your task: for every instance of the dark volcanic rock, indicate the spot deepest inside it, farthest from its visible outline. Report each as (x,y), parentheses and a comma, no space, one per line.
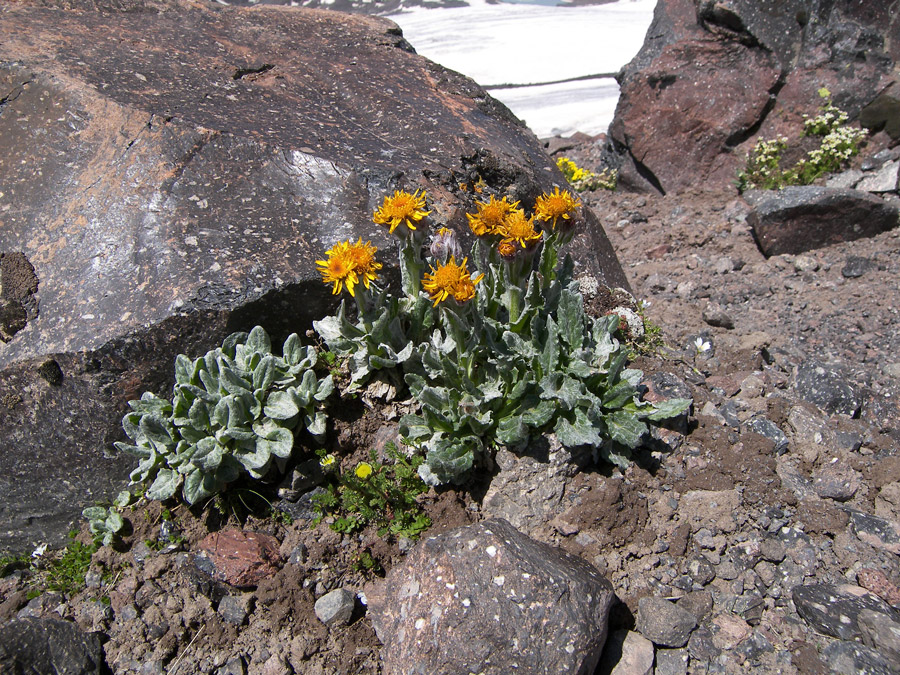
(664,623)
(50,646)
(802,218)
(826,387)
(851,657)
(487,599)
(186,165)
(834,610)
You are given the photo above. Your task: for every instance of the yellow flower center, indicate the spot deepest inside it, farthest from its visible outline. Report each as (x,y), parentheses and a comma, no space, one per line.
(449,280)
(490,215)
(555,205)
(363,470)
(519,228)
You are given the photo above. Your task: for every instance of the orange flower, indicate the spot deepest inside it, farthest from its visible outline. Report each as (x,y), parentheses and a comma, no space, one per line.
(403,207)
(362,256)
(554,206)
(516,227)
(490,215)
(339,269)
(450,279)
(507,249)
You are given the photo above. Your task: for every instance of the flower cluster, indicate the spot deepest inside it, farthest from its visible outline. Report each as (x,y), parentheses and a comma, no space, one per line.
(348,265)
(582,179)
(839,144)
(404,207)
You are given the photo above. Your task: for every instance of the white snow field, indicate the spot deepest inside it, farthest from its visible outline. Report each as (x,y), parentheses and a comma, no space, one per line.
(513,43)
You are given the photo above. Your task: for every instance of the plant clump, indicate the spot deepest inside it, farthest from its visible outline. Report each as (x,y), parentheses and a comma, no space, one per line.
(838,144)
(502,357)
(233,412)
(382,493)
(583,180)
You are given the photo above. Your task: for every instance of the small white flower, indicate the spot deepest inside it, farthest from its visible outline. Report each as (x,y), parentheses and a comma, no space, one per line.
(39,551)
(702,345)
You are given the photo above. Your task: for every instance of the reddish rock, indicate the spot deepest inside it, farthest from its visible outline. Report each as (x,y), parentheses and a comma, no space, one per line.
(680,114)
(877,582)
(239,558)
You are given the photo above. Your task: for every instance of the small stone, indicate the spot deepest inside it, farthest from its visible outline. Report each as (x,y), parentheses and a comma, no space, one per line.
(298,555)
(772,549)
(768,429)
(875,531)
(235,609)
(805,263)
(239,558)
(883,180)
(856,266)
(626,653)
(664,623)
(700,570)
(301,480)
(833,610)
(826,387)
(698,603)
(716,316)
(852,657)
(836,481)
(845,179)
(235,666)
(672,662)
(729,631)
(127,613)
(876,581)
(336,608)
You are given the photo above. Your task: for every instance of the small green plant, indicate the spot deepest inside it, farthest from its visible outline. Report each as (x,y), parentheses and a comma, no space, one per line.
(105,523)
(380,493)
(233,412)
(583,180)
(838,144)
(67,573)
(366,562)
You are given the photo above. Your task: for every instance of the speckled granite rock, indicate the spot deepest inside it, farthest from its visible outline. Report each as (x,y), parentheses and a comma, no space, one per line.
(487,599)
(186,165)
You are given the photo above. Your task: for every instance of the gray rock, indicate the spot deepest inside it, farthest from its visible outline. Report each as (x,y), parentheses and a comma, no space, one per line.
(802,218)
(716,316)
(698,603)
(767,428)
(845,179)
(772,550)
(485,598)
(336,607)
(626,653)
(826,387)
(881,633)
(304,477)
(883,112)
(851,657)
(235,609)
(875,531)
(235,666)
(836,481)
(50,646)
(672,661)
(856,266)
(834,610)
(883,180)
(220,151)
(664,623)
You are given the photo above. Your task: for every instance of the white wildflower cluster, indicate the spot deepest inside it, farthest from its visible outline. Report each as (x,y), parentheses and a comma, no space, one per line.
(825,122)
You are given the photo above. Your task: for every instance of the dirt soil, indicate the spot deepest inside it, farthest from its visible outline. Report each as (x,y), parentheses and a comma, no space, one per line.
(725,522)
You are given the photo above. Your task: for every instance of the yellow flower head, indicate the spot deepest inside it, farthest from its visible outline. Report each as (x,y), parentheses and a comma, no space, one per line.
(363,470)
(516,227)
(449,280)
(507,249)
(340,268)
(362,257)
(402,207)
(490,215)
(555,205)
(328,461)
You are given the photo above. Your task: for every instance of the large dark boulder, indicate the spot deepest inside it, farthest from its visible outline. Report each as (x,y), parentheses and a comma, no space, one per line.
(714,76)
(486,598)
(50,646)
(170,171)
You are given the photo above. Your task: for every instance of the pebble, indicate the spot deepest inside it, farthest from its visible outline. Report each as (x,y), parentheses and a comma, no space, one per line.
(336,608)
(672,662)
(664,623)
(235,609)
(627,653)
(716,316)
